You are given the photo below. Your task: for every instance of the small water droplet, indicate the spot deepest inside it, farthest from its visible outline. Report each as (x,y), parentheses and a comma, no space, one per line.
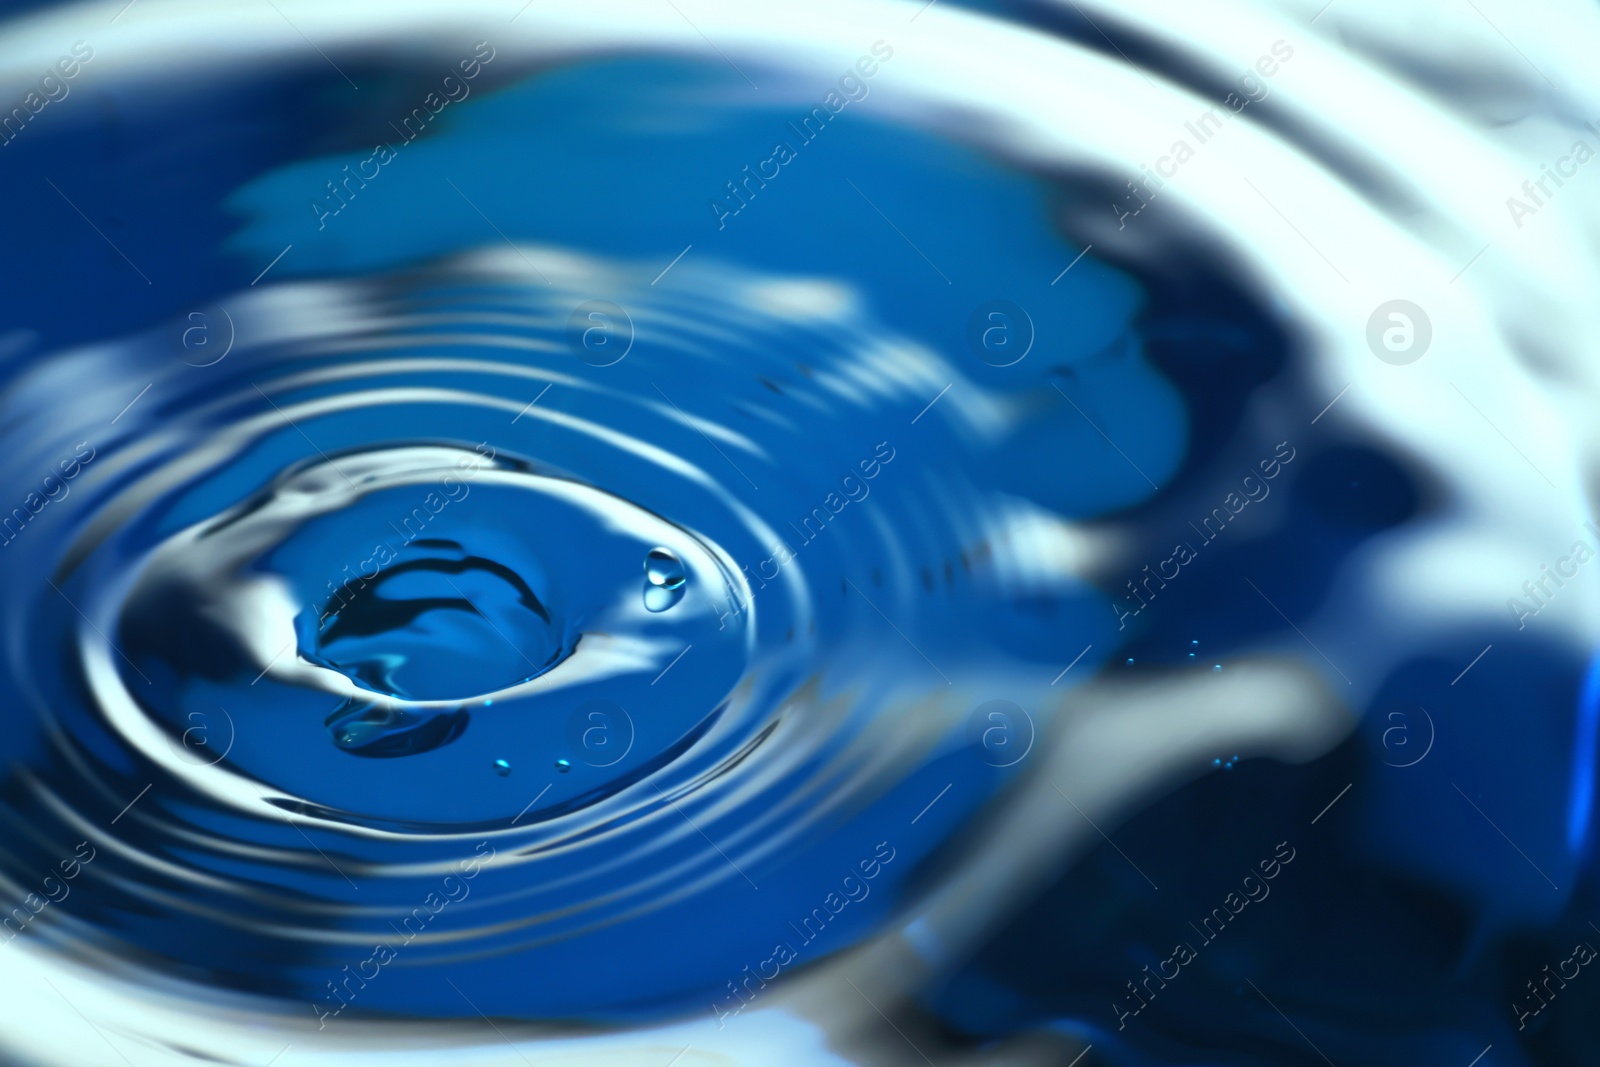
(1216,667)
(1195,641)
(665,579)
(1130,661)
(662,567)
(502,768)
(1216,762)
(563,765)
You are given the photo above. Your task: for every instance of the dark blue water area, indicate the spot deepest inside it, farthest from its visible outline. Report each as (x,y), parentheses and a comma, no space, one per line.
(1454,872)
(1397,935)
(1401,931)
